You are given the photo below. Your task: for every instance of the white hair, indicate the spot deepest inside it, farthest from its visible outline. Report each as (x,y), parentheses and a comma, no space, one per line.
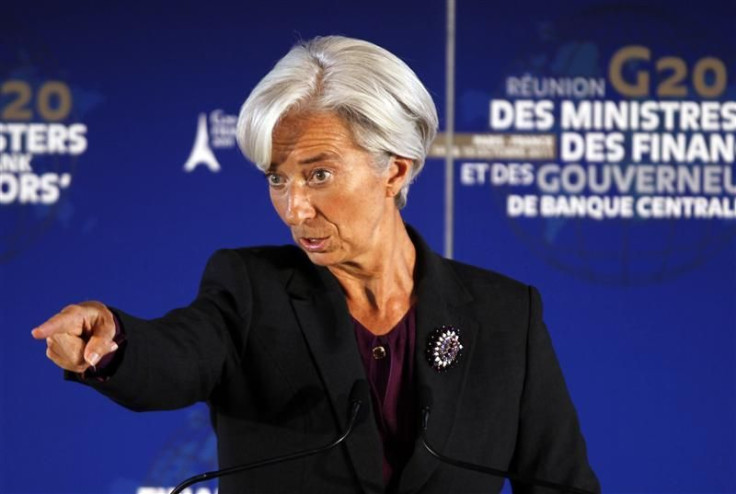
(387,108)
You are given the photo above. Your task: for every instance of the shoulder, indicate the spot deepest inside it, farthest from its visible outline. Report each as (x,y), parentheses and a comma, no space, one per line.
(480,283)
(261,260)
(276,256)
(497,295)
(252,275)
(480,279)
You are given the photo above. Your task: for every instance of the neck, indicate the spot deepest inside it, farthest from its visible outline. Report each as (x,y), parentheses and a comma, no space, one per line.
(379,287)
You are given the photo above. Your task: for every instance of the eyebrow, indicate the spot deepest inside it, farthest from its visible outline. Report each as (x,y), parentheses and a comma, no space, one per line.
(308,161)
(315,159)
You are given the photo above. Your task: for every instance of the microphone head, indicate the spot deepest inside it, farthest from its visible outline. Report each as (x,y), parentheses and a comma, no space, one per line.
(425,397)
(360,391)
(360,396)
(425,406)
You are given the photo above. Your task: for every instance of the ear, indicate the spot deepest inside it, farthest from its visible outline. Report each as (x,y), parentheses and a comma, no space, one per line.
(399,171)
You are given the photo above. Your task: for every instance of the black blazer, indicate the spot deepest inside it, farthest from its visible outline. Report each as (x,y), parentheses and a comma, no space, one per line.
(270,345)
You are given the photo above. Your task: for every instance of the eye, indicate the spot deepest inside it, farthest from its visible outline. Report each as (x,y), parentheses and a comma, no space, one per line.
(320,176)
(274,180)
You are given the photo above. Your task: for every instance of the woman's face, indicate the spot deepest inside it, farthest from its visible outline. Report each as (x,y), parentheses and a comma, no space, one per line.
(325,188)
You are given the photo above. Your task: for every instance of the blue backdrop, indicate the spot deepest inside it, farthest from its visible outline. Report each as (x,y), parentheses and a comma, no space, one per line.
(641,308)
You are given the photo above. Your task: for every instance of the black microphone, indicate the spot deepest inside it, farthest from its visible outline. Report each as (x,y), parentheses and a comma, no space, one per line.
(425,399)
(359,398)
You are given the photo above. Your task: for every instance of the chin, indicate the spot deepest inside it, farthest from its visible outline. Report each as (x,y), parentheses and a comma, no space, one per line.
(321,258)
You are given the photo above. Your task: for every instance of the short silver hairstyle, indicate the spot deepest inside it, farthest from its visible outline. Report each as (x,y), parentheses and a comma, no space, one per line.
(383,102)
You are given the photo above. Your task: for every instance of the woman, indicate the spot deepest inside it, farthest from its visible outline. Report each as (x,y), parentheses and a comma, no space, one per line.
(278,335)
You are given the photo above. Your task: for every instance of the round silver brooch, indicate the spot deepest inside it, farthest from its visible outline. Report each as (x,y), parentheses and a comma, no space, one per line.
(444,348)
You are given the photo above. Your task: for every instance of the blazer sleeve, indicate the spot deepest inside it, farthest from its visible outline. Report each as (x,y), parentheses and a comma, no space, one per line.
(549,445)
(178,359)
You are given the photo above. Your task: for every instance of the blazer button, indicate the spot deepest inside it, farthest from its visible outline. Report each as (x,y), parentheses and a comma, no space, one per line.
(378,352)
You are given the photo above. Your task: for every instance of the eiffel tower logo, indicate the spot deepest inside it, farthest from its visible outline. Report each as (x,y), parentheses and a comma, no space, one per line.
(201,152)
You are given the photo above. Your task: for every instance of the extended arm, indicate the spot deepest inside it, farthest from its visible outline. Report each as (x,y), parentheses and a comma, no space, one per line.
(169,362)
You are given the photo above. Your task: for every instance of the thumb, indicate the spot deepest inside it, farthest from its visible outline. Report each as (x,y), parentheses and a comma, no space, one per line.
(97,347)
(100,328)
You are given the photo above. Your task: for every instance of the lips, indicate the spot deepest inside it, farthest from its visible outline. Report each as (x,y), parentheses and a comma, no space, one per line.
(313,244)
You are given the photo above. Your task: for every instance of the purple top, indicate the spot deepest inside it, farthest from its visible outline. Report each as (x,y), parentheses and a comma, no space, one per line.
(389,365)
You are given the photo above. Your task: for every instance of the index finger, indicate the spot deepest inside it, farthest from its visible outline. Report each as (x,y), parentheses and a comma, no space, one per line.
(63,322)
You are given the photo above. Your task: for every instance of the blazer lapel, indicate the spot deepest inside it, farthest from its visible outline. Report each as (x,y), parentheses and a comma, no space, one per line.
(322,312)
(440,297)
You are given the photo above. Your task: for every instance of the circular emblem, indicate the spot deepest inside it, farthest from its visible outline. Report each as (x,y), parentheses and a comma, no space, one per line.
(444,348)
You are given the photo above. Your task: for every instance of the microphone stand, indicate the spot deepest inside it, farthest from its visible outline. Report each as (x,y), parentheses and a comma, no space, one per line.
(354,409)
(488,470)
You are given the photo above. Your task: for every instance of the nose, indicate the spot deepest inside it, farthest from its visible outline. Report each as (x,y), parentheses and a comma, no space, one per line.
(298,205)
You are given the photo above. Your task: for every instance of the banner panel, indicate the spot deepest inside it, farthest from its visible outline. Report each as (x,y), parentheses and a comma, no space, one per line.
(594,159)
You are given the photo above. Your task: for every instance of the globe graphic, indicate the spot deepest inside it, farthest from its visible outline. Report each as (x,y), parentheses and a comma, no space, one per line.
(632,251)
(190,450)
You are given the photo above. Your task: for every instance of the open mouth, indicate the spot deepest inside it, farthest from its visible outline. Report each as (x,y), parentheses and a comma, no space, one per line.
(313,244)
